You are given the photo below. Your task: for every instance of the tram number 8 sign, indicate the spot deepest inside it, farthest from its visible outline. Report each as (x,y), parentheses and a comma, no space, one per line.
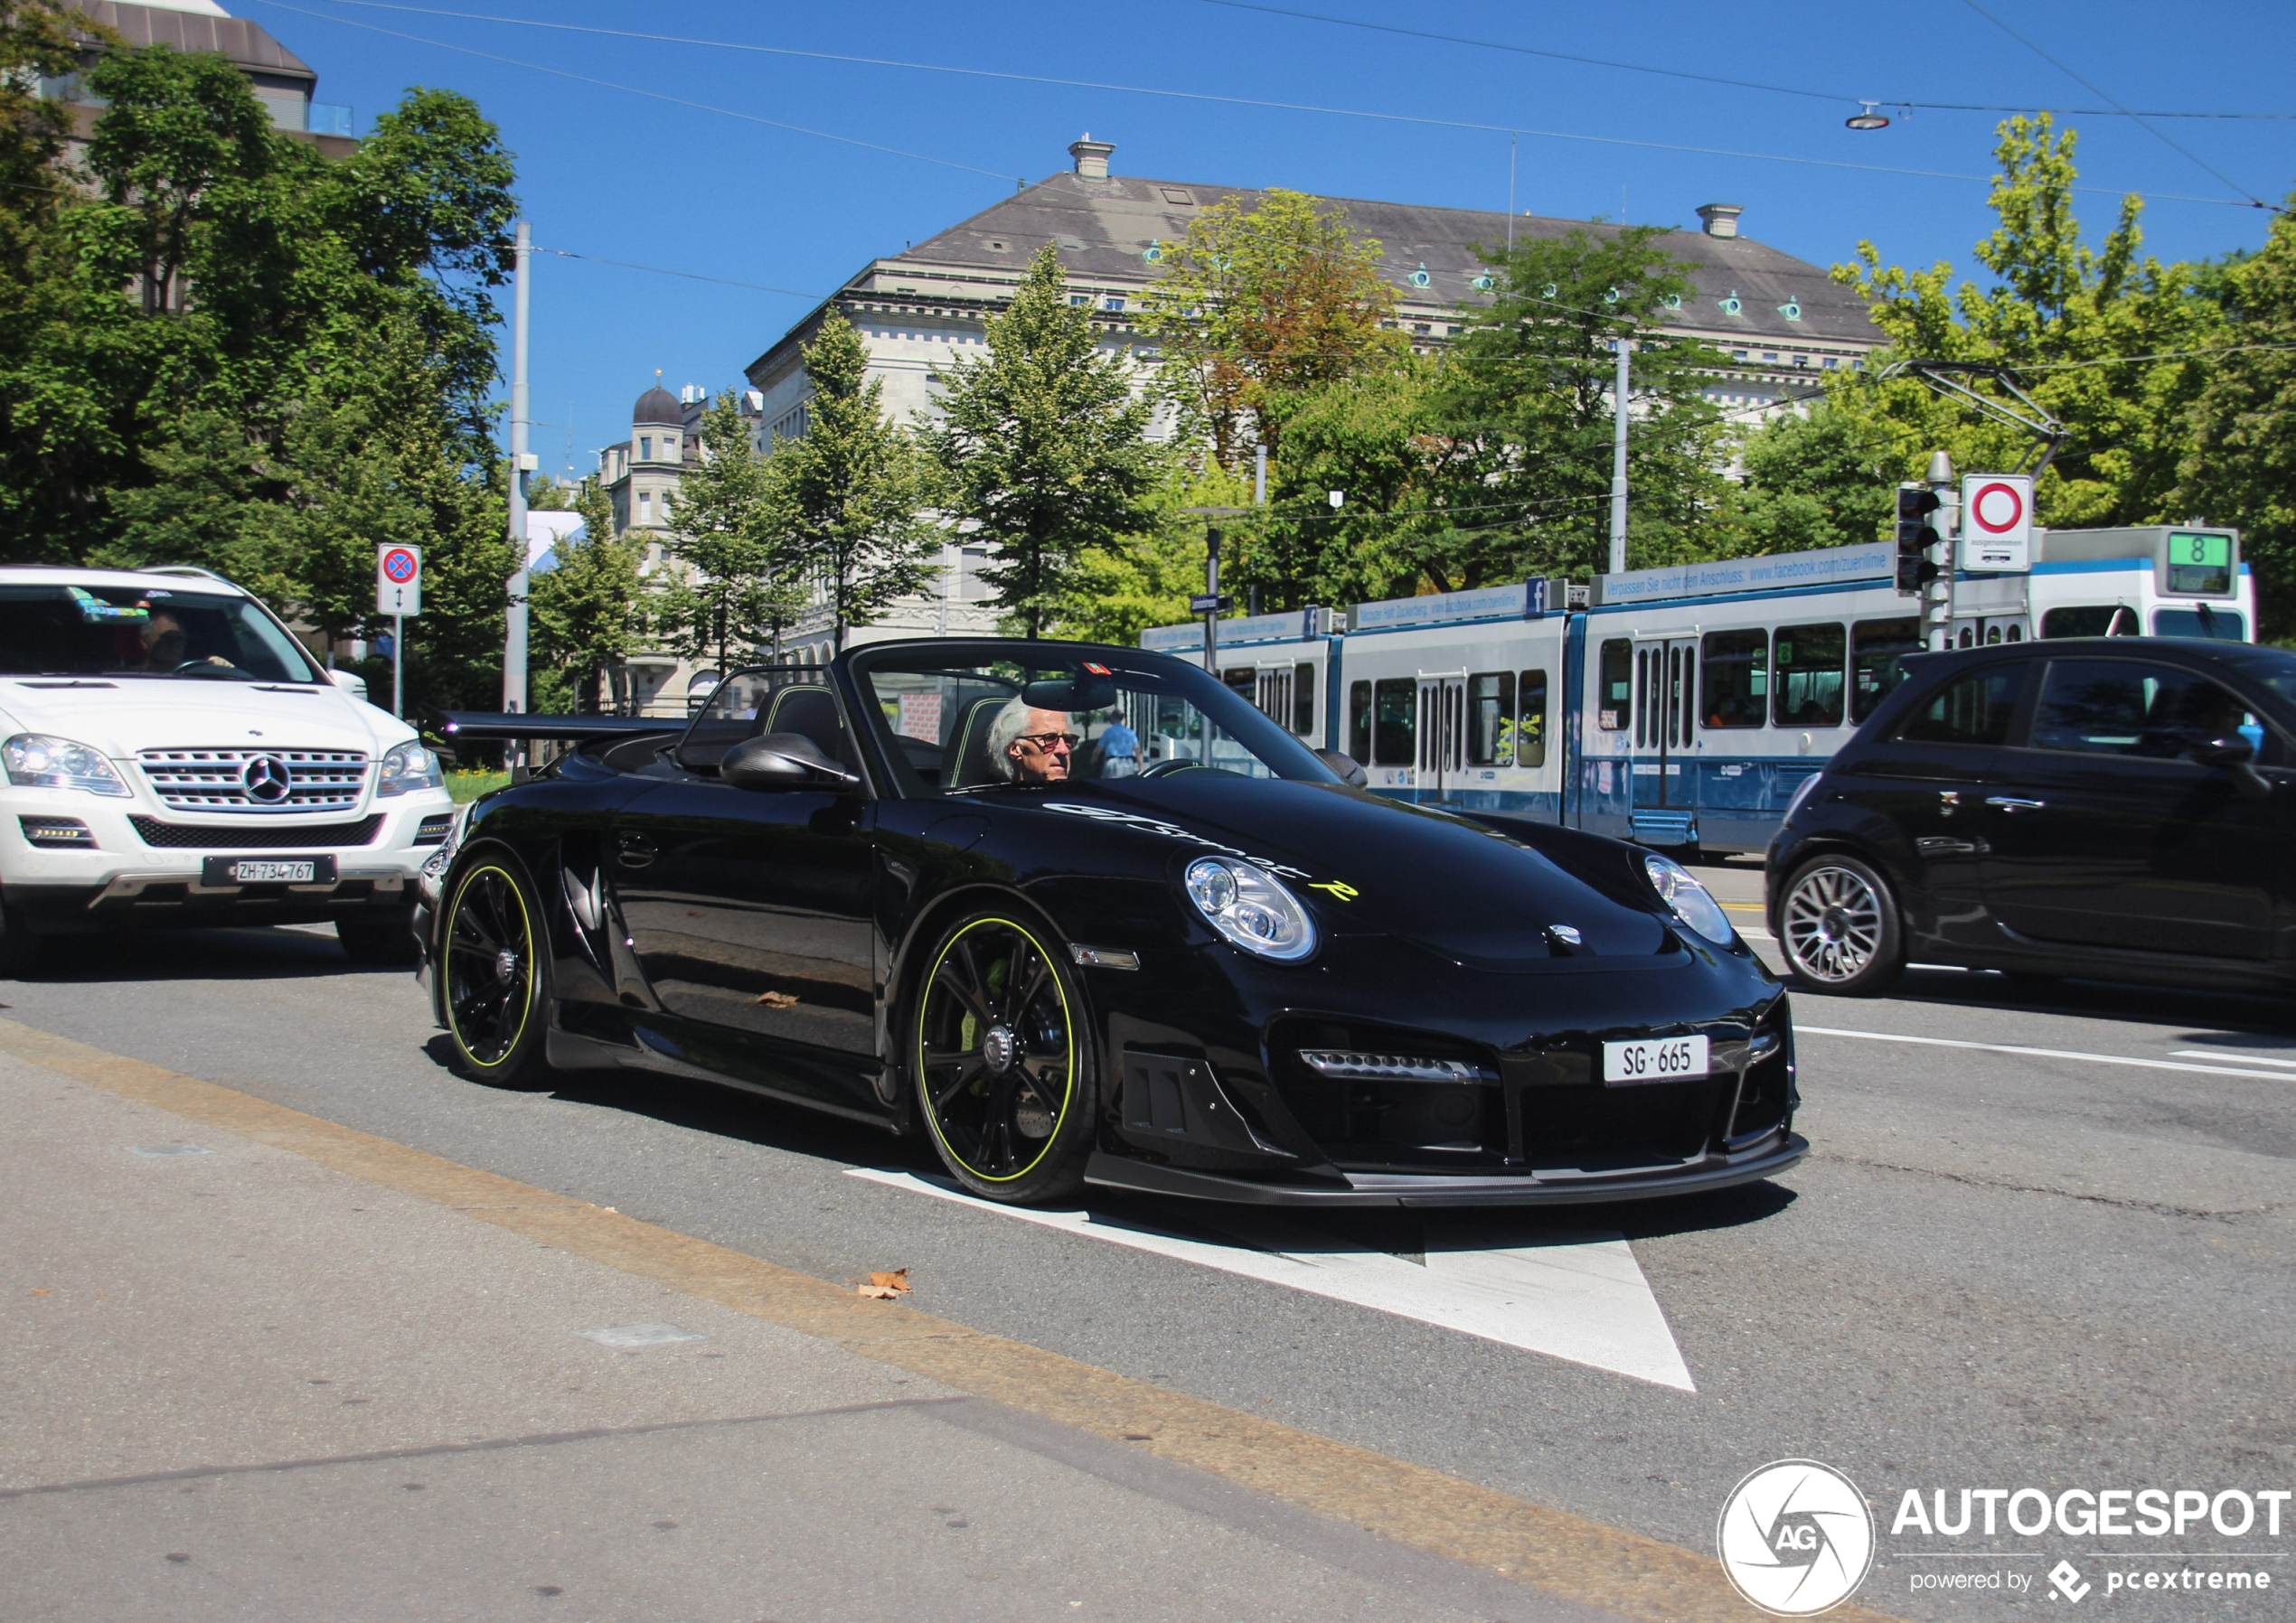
(398,580)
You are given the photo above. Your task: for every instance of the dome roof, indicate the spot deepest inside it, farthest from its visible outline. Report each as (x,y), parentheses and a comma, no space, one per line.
(658,404)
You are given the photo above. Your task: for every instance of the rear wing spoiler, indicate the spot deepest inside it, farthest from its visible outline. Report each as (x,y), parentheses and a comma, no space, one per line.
(488,727)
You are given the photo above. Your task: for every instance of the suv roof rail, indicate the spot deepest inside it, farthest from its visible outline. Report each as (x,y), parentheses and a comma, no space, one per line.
(191,569)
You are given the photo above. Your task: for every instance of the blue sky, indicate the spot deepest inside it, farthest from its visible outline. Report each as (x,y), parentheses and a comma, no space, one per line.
(623,176)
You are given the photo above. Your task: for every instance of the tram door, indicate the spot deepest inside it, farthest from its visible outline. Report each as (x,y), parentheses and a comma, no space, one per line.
(1442,732)
(1275,694)
(1665,723)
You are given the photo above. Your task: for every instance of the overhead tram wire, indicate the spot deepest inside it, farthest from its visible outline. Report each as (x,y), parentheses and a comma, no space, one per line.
(634,91)
(1086,84)
(691,276)
(2115,111)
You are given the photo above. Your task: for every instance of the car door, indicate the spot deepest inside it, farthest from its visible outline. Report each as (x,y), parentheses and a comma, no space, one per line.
(751,910)
(1928,782)
(2105,831)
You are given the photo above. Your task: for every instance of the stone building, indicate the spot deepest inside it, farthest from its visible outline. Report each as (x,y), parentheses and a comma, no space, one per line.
(1779,319)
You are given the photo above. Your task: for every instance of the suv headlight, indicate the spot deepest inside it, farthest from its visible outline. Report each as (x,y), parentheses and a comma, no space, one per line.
(1250,908)
(36,760)
(408,766)
(1689,900)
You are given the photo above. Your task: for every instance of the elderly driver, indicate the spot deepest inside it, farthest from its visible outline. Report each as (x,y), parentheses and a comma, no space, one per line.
(1030,746)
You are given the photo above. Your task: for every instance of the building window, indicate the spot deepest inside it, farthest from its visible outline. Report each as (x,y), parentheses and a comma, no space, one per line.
(1079,299)
(1831,363)
(645,447)
(1420,326)
(1112,304)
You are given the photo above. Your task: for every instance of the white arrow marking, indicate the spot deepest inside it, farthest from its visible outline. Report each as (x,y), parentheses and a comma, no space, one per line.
(1578,1295)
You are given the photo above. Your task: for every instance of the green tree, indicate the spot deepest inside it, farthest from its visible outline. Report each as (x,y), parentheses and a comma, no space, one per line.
(1118,589)
(545,495)
(589,612)
(2240,464)
(854,490)
(738,584)
(1254,307)
(1524,403)
(1042,447)
(1827,479)
(2103,338)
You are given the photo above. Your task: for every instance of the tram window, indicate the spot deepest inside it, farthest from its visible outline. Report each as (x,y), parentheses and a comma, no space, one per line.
(1491,705)
(2090,620)
(1395,722)
(1531,727)
(1810,671)
(1874,672)
(1244,678)
(2224,625)
(1616,683)
(1975,709)
(1734,676)
(1358,723)
(1303,700)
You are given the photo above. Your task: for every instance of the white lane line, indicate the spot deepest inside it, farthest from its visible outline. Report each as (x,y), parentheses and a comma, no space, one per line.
(2101,1059)
(1579,1297)
(2254,1059)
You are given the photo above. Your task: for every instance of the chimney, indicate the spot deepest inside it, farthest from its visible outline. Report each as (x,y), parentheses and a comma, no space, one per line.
(1721,219)
(1091,156)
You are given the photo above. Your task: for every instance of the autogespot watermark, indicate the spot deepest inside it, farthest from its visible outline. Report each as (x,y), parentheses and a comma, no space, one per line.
(1797,1538)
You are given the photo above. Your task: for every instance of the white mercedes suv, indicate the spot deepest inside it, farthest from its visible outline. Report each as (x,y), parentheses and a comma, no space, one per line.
(174,756)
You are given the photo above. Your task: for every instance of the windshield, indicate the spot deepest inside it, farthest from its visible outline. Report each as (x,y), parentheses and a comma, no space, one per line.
(124,630)
(1030,719)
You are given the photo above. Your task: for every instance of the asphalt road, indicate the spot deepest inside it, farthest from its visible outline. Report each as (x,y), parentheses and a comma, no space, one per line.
(1999,1268)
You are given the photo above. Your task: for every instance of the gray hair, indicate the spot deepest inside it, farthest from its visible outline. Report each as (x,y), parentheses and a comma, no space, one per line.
(1010,722)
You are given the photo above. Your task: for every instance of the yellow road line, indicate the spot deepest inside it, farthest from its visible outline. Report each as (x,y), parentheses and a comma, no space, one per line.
(1564,1555)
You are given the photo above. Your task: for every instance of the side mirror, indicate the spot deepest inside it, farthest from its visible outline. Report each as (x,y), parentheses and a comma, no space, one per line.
(782,761)
(1350,773)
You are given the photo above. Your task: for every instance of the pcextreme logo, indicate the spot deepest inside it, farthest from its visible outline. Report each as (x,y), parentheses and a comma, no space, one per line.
(1796,1538)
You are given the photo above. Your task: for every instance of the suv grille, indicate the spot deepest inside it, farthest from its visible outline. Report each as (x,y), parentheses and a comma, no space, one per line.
(308,837)
(256,780)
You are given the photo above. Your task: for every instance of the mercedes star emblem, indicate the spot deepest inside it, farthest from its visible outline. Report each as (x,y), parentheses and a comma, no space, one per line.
(266,780)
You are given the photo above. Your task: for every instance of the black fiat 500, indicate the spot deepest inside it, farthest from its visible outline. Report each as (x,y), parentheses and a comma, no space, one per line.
(1084,915)
(2114,808)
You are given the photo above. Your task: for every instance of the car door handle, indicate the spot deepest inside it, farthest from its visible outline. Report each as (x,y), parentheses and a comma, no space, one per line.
(637,850)
(2009,802)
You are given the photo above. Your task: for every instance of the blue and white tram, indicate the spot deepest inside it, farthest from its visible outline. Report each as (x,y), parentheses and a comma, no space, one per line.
(1682,707)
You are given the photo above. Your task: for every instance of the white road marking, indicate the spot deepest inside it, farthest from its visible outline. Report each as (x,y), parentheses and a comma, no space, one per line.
(2101,1059)
(1579,1297)
(2254,1059)
(631,1336)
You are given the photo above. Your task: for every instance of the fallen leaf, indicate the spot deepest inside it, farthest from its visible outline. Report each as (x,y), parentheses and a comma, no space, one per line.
(886,1287)
(778,999)
(43,1290)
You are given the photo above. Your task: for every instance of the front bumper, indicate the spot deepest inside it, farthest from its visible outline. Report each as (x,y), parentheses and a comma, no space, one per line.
(119,878)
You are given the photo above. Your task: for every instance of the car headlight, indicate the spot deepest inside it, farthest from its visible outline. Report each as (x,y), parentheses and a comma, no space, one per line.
(1250,908)
(36,760)
(1802,792)
(430,879)
(408,766)
(1689,900)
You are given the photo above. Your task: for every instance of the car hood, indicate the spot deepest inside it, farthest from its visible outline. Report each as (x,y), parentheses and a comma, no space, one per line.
(1369,864)
(123,717)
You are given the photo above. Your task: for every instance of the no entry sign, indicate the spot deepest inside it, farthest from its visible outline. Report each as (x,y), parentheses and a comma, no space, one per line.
(1997,522)
(398,580)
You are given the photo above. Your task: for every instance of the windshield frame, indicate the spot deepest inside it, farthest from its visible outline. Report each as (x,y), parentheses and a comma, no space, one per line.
(212,597)
(1290,759)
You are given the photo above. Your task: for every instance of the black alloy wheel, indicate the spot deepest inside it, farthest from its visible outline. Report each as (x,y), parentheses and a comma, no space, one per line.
(1840,928)
(493,976)
(1003,1061)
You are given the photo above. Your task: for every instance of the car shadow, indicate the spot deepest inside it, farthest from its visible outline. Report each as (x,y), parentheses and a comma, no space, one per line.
(2256,1019)
(252,953)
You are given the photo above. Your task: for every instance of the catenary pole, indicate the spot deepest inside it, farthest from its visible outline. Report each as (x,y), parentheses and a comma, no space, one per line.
(1619,396)
(514,630)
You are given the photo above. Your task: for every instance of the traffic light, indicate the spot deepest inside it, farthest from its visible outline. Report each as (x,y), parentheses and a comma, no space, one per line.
(1916,536)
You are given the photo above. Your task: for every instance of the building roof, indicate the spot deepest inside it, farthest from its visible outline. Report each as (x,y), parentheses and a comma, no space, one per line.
(245,44)
(657,406)
(1105,227)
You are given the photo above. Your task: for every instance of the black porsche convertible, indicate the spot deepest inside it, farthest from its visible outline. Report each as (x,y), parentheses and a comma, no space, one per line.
(1084,915)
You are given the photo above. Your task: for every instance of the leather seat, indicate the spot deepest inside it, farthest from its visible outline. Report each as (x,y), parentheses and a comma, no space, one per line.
(812,713)
(971,767)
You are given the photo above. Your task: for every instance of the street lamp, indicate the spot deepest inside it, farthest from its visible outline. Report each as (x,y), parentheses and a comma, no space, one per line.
(1868,119)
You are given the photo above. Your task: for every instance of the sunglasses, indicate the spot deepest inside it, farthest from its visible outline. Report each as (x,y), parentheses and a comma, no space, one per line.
(1048,742)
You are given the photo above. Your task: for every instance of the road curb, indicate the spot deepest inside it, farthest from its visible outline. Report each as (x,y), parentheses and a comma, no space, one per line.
(1562,1554)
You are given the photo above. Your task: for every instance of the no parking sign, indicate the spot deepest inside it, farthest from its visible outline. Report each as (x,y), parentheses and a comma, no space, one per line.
(398,580)
(1997,522)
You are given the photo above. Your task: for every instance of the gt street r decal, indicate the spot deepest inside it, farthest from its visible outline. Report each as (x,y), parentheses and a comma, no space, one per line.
(1173,832)
(1339,891)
